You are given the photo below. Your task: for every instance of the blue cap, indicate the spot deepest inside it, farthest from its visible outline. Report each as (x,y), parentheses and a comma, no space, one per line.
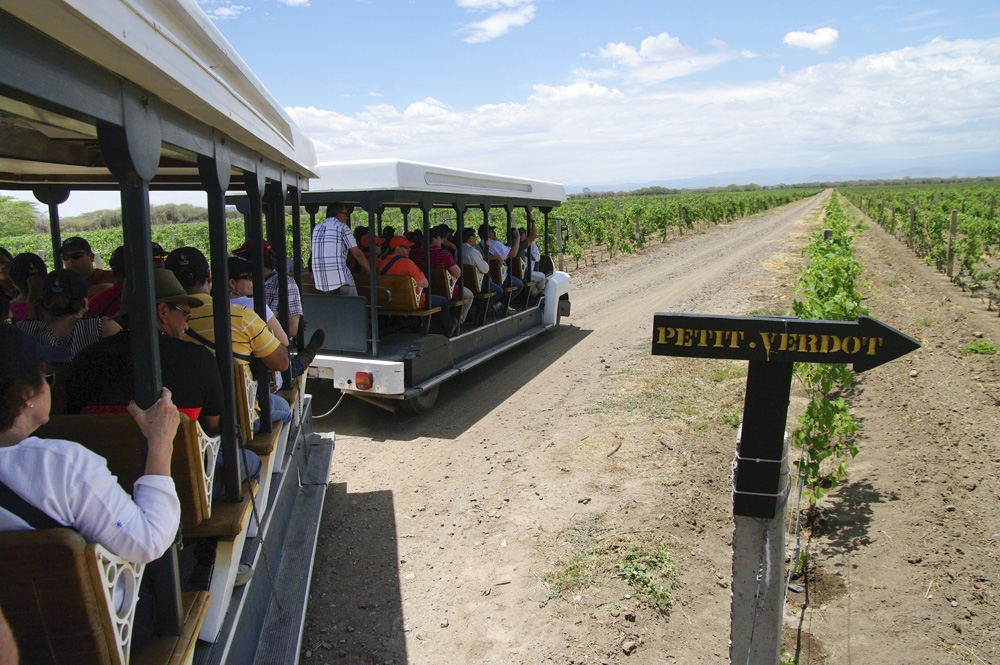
(20,353)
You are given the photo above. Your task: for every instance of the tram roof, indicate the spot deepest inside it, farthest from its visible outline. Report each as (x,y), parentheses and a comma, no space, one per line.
(397,182)
(66,63)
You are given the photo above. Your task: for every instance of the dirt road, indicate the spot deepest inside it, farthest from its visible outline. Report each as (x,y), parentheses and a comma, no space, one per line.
(442,534)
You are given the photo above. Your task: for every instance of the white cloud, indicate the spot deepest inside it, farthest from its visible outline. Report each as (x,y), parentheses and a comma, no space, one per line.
(221,11)
(658,59)
(821,40)
(936,98)
(506,14)
(295,3)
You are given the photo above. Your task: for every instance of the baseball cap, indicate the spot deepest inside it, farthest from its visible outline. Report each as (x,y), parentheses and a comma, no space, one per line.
(20,353)
(64,282)
(76,242)
(25,265)
(239,268)
(244,249)
(158,251)
(400,241)
(187,262)
(166,288)
(366,241)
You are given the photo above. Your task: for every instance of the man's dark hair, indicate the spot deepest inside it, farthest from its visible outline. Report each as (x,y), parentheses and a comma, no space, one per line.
(468,233)
(334,208)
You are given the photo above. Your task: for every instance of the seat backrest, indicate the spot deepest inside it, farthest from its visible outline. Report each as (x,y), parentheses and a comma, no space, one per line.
(440,284)
(545,265)
(400,288)
(115,437)
(496,272)
(58,597)
(517,266)
(471,278)
(246,398)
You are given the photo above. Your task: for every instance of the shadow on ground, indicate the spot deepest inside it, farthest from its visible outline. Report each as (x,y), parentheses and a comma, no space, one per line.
(462,402)
(355,606)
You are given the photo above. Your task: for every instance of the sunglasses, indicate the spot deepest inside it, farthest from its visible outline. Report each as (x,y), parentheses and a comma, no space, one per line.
(177,308)
(75,256)
(248,276)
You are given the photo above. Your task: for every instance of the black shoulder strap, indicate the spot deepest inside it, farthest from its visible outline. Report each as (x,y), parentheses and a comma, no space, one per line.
(388,264)
(210,344)
(109,304)
(12,502)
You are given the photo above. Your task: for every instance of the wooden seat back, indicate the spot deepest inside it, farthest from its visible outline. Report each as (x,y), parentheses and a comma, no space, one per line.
(496,274)
(395,294)
(472,280)
(115,437)
(58,595)
(246,398)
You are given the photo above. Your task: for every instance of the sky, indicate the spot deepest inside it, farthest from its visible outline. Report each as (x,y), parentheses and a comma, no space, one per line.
(596,93)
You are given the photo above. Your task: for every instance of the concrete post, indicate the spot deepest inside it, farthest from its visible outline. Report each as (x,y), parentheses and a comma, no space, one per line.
(758,588)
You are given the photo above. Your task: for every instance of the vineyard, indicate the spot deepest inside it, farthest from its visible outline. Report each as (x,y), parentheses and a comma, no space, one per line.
(591,227)
(921,216)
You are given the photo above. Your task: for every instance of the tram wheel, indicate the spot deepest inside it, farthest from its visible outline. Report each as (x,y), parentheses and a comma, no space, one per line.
(422,403)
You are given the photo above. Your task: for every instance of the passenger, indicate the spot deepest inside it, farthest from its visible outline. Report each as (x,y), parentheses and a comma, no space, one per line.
(471,255)
(26,271)
(101,377)
(77,256)
(241,292)
(533,255)
(399,263)
(250,335)
(416,236)
(500,252)
(388,233)
(107,302)
(448,240)
(441,259)
(61,483)
(61,307)
(271,286)
(7,288)
(331,243)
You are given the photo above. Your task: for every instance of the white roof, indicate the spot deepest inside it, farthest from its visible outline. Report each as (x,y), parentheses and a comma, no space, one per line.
(395,174)
(172,49)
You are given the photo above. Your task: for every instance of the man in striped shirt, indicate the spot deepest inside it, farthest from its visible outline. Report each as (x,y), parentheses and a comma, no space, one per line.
(331,242)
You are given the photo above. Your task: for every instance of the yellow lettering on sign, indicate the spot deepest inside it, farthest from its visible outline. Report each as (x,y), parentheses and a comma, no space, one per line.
(872,343)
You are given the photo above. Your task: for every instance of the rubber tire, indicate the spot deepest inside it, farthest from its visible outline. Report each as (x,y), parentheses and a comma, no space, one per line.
(422,403)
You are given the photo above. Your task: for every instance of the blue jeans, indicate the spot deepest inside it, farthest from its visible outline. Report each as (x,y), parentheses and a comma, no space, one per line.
(250,466)
(445,313)
(279,411)
(515,282)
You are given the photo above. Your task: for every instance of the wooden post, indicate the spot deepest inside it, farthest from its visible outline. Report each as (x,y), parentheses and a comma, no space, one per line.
(951,243)
(913,216)
(559,242)
(680,219)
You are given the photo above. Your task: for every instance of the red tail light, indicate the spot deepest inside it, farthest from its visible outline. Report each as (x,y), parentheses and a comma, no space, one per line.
(363,380)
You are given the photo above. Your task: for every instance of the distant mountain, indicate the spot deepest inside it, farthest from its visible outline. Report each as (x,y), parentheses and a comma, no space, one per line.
(965,165)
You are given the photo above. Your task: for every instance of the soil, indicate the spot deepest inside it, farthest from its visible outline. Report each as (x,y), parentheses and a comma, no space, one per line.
(445,536)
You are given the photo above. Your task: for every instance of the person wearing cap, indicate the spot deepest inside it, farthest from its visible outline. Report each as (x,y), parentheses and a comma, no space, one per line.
(442,259)
(251,337)
(61,483)
(241,292)
(331,243)
(26,270)
(107,302)
(271,286)
(77,256)
(61,307)
(399,263)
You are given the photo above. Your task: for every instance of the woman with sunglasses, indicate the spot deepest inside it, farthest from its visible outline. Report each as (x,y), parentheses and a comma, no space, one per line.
(64,482)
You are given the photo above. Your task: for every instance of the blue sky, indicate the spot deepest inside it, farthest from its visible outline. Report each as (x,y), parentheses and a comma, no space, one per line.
(592,93)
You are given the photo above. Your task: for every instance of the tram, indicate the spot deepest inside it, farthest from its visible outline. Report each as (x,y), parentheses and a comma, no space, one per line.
(383,351)
(131,96)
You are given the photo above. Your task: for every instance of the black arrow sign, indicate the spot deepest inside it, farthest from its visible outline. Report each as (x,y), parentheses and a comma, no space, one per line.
(865,343)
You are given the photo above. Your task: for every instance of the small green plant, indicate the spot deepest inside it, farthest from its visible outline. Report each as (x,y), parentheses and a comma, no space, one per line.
(642,560)
(981,347)
(787,658)
(732,417)
(670,482)
(700,427)
(925,321)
